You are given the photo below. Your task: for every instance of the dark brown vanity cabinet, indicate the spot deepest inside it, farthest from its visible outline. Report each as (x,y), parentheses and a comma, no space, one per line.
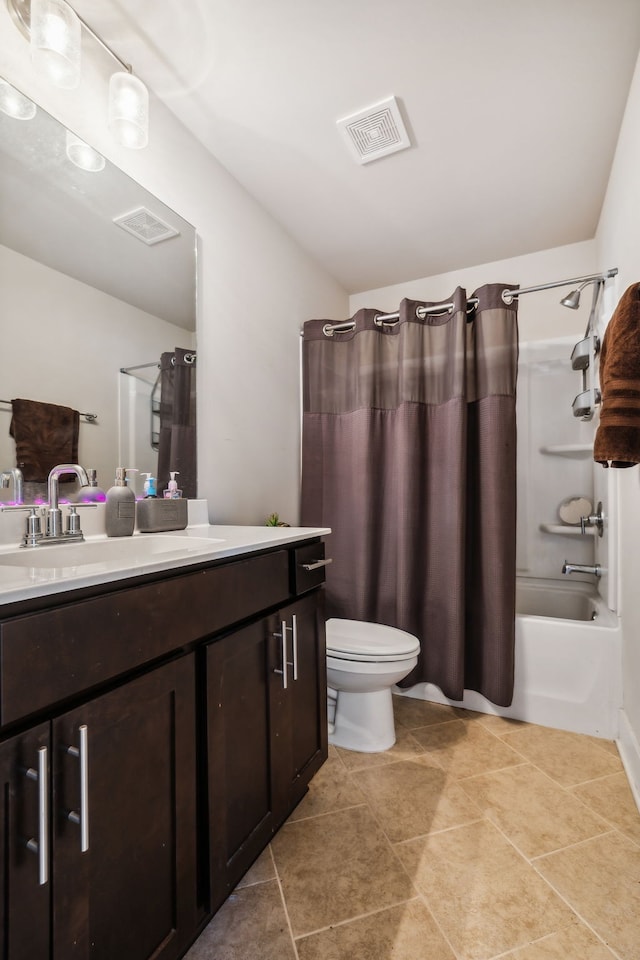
(153,737)
(266,732)
(99,826)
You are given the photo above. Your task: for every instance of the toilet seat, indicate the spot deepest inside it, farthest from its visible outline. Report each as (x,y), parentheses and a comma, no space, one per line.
(368,642)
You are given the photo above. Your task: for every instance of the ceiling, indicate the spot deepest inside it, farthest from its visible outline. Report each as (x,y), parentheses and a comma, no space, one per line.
(513,111)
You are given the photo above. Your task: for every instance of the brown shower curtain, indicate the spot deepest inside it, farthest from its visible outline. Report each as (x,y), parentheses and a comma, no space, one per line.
(177,440)
(409,455)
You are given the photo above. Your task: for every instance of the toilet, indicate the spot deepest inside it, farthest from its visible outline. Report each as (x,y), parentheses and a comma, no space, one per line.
(364,660)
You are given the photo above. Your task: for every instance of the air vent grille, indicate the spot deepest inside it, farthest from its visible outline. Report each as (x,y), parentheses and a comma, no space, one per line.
(146,226)
(375,132)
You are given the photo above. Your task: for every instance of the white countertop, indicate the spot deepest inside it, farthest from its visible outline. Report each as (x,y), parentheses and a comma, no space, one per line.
(194,545)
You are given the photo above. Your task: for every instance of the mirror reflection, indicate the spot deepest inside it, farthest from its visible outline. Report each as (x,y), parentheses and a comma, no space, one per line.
(98,276)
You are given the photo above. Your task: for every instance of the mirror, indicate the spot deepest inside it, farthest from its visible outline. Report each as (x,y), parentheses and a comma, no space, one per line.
(85,296)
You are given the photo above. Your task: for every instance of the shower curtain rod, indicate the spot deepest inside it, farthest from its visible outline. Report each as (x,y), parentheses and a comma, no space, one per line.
(508,297)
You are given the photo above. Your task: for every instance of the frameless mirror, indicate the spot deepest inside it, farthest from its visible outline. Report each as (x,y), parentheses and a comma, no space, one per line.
(97,275)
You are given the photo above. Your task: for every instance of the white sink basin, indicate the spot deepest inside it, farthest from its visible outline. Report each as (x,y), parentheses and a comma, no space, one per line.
(121,551)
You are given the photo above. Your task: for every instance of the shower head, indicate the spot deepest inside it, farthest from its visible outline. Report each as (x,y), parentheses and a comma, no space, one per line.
(572,300)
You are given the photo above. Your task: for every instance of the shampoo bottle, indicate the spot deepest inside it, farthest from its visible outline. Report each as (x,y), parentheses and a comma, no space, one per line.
(120,510)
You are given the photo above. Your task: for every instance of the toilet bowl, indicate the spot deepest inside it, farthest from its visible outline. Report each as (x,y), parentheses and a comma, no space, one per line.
(364,660)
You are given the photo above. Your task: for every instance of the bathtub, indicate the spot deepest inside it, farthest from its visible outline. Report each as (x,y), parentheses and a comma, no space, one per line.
(568,656)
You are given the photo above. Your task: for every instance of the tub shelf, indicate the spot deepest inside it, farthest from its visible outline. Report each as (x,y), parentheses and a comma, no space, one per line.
(577,451)
(566,529)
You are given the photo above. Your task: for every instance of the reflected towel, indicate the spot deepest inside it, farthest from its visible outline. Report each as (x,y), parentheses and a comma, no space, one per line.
(617,441)
(45,435)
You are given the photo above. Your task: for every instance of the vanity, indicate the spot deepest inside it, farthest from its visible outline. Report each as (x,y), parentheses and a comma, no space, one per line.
(162,710)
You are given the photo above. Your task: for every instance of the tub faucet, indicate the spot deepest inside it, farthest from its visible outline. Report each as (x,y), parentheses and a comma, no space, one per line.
(595,570)
(14,474)
(54,513)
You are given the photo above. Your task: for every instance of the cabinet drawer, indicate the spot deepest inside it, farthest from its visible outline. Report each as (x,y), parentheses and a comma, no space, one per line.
(309,568)
(50,656)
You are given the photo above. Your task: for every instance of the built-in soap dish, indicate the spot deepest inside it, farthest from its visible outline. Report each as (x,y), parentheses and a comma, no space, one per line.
(582,352)
(158,516)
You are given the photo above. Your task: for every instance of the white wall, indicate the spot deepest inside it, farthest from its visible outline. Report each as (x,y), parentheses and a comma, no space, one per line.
(256,288)
(617,242)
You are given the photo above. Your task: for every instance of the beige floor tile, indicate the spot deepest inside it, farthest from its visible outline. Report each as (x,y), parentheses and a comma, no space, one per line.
(405,747)
(251,923)
(331,789)
(464,749)
(499,725)
(536,814)
(611,797)
(406,932)
(412,713)
(261,870)
(486,898)
(336,867)
(600,878)
(575,942)
(411,799)
(569,758)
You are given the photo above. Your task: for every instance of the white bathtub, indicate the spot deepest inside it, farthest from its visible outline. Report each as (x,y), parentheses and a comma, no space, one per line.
(568,661)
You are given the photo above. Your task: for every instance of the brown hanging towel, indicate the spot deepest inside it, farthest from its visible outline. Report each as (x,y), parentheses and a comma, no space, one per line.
(45,434)
(617,441)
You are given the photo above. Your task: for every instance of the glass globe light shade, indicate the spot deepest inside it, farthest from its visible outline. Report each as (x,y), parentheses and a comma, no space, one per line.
(82,155)
(55,42)
(14,103)
(128,110)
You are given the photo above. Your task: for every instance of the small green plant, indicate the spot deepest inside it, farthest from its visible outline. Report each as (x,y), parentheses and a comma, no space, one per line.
(273,520)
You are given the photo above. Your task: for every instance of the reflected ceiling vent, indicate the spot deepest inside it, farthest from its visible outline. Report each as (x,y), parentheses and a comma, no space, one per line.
(375,132)
(146,226)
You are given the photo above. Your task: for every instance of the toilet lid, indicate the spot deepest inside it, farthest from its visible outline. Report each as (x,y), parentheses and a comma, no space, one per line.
(358,640)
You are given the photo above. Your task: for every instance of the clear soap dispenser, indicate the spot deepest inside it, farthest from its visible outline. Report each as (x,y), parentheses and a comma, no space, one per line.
(172,492)
(120,510)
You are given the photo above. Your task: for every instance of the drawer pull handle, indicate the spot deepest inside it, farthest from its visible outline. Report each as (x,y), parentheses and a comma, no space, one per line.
(40,846)
(316,564)
(82,818)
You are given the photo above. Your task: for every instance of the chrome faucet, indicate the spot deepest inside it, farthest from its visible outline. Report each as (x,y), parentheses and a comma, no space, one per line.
(595,570)
(54,513)
(14,474)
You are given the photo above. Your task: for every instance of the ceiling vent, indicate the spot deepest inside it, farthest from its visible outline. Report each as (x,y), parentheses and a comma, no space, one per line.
(375,132)
(145,226)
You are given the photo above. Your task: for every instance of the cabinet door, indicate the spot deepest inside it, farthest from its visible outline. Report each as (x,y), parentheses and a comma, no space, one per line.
(302,707)
(239,747)
(25,879)
(124,833)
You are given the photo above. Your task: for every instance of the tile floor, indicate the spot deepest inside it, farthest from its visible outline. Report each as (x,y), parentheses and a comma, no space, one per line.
(473,838)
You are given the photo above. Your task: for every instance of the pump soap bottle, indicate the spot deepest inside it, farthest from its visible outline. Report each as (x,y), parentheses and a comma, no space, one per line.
(172,492)
(120,510)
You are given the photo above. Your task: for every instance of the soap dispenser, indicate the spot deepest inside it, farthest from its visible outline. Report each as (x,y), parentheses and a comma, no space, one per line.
(150,489)
(172,492)
(120,510)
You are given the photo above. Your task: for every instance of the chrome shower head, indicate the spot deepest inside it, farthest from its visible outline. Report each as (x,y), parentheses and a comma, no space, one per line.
(572,300)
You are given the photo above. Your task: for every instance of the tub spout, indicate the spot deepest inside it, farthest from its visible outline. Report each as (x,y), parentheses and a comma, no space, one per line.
(595,570)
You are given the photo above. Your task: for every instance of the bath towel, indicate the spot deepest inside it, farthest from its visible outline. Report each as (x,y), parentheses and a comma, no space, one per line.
(45,435)
(617,442)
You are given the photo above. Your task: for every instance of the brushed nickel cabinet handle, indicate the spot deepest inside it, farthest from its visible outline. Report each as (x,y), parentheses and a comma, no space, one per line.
(316,564)
(282,636)
(294,633)
(82,818)
(41,845)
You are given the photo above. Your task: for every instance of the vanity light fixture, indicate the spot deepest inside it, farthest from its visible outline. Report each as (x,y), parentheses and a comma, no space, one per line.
(55,32)
(14,103)
(82,155)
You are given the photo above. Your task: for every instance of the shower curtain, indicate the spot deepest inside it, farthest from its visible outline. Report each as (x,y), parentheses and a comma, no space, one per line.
(177,440)
(409,455)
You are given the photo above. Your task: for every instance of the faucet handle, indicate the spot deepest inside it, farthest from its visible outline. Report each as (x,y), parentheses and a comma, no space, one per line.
(33,533)
(72,525)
